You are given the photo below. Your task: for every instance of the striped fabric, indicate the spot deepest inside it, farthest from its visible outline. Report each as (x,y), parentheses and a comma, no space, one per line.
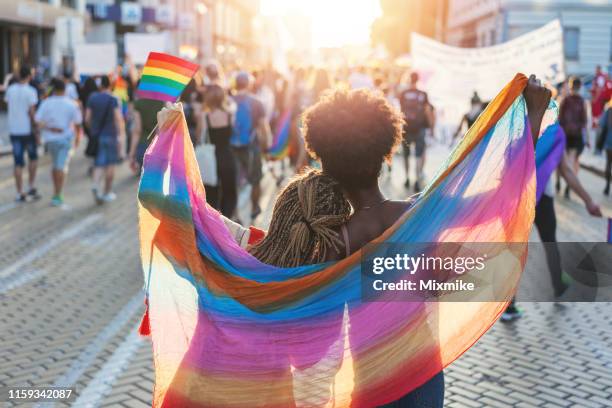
(164,77)
(229,331)
(280,145)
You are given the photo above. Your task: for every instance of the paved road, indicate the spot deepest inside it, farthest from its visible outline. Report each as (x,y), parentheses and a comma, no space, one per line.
(66,321)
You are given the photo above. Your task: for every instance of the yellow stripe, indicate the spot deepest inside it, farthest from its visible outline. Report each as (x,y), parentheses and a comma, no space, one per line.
(165,74)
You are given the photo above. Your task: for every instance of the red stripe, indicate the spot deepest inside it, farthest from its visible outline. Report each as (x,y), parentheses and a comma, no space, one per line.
(173,60)
(153,63)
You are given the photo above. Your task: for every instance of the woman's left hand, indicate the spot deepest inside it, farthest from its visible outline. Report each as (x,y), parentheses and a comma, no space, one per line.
(537,98)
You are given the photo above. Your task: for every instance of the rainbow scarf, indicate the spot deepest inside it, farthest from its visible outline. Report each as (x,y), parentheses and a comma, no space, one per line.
(280,145)
(229,331)
(164,77)
(549,152)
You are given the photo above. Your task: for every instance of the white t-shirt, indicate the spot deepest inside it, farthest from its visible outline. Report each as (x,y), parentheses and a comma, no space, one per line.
(20,98)
(71,91)
(59,112)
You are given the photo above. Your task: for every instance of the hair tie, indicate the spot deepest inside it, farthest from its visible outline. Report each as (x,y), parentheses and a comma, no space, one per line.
(305,221)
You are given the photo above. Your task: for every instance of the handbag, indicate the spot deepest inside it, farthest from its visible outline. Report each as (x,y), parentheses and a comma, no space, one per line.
(207,159)
(93,141)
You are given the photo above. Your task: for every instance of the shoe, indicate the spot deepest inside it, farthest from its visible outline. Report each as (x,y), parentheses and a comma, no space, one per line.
(417,187)
(21,198)
(108,197)
(566,194)
(33,194)
(511,313)
(57,201)
(558,186)
(566,282)
(607,191)
(407,183)
(96,196)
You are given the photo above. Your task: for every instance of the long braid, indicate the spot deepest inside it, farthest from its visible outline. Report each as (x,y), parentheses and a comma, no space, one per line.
(305,215)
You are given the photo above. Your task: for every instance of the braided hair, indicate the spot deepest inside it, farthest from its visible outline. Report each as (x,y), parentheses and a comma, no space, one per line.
(305,216)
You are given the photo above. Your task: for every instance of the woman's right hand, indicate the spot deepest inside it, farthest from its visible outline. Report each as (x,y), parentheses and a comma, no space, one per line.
(537,98)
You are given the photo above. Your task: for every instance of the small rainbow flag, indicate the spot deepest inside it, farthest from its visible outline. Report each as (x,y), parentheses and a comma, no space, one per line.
(120,90)
(609,231)
(164,77)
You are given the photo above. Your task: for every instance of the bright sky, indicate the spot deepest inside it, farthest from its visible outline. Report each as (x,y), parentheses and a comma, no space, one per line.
(334,22)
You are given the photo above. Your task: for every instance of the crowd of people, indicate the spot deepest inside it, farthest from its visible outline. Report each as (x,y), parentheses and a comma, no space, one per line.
(321,216)
(242,114)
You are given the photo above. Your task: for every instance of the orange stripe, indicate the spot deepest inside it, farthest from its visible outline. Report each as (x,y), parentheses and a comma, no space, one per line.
(170,67)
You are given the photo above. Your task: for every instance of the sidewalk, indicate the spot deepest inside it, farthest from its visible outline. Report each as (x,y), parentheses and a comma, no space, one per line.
(5,146)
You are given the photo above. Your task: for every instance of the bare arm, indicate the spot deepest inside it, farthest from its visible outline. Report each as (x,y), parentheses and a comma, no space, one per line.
(570,177)
(88,117)
(120,126)
(135,135)
(537,99)
(264,134)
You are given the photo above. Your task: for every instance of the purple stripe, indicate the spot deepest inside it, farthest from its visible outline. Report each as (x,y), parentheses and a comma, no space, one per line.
(155,95)
(609,230)
(545,168)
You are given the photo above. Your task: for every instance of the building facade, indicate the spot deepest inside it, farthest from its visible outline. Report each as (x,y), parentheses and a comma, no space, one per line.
(28,33)
(587,26)
(196,29)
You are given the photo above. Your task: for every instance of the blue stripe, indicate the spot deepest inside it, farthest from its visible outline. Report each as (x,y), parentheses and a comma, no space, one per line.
(148,86)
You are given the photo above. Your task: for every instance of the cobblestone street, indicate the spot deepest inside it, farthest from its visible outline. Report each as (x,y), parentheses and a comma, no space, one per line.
(71,300)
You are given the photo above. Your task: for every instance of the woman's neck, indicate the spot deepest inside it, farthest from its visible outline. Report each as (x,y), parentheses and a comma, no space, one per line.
(365,197)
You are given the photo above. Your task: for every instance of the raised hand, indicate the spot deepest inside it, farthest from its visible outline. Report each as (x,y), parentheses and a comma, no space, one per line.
(537,98)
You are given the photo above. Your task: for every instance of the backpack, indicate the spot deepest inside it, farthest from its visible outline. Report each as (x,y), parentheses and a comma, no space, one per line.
(572,116)
(413,104)
(242,131)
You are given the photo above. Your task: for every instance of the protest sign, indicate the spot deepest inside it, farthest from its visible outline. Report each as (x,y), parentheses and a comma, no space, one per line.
(139,45)
(95,59)
(451,74)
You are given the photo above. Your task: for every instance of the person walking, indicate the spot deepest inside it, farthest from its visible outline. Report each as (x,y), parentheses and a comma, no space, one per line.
(218,128)
(476,108)
(145,121)
(21,99)
(59,119)
(418,117)
(604,142)
(104,118)
(573,120)
(250,132)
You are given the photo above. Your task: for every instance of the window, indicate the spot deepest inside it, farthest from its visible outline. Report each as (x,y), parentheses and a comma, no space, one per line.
(571,38)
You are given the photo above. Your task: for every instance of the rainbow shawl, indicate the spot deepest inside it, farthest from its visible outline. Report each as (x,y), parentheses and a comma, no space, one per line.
(280,144)
(549,152)
(231,332)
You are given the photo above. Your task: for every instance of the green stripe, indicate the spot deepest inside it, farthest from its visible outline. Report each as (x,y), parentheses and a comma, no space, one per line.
(162,81)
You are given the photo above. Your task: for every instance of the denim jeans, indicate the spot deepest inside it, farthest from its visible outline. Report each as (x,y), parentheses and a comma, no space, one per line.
(428,395)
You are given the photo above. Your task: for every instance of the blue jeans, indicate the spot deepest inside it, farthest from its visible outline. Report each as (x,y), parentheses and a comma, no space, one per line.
(23,144)
(428,395)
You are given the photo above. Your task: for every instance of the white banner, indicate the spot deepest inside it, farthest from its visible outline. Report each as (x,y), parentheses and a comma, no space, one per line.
(450,75)
(139,45)
(95,59)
